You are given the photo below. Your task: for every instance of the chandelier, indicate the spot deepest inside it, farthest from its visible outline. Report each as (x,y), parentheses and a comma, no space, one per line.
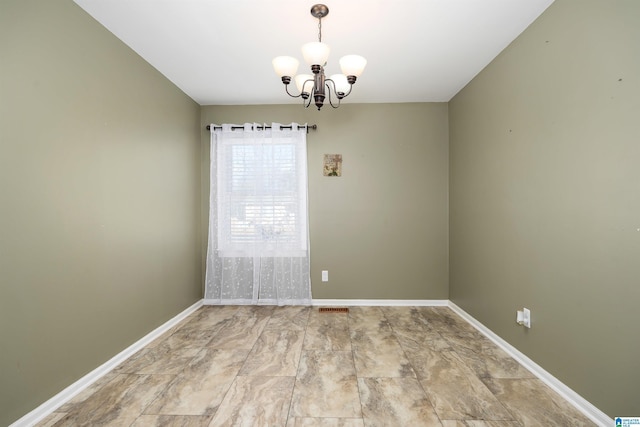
(316,86)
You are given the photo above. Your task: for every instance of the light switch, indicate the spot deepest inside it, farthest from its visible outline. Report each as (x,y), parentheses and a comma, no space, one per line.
(325,275)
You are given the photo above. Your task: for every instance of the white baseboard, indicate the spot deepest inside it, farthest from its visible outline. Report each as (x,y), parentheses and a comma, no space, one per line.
(580,403)
(382,302)
(68,393)
(340,302)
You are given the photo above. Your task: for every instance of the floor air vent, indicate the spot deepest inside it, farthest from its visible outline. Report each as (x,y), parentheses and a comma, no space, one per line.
(334,309)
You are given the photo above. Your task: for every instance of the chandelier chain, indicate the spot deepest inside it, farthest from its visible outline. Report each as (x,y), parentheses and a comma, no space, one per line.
(320,30)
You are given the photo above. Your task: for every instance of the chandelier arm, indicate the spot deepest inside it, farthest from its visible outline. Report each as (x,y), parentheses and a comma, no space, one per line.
(307,101)
(327,81)
(350,89)
(331,102)
(286,88)
(304,85)
(306,95)
(334,91)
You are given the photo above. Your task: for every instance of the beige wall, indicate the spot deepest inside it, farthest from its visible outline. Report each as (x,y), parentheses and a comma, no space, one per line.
(381,230)
(545,202)
(99,200)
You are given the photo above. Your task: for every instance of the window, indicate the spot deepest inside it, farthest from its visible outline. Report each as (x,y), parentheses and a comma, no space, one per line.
(262,197)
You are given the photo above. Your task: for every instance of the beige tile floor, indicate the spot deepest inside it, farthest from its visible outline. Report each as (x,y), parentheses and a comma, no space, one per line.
(295,366)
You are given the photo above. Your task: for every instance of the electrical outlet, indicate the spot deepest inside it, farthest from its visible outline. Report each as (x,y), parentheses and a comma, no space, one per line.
(526,317)
(325,275)
(523,317)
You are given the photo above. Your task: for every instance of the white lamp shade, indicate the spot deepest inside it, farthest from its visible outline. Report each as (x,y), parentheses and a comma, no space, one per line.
(301,79)
(285,65)
(342,85)
(352,65)
(315,53)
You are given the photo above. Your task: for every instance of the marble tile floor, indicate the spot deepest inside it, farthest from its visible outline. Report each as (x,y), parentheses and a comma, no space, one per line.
(294,366)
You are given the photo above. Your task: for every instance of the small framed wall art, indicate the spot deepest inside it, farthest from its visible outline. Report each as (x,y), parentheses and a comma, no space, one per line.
(332,165)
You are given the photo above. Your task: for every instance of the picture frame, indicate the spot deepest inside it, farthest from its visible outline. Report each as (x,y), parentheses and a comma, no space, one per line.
(332,165)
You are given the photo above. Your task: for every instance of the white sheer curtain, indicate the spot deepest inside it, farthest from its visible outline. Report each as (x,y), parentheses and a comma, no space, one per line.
(258,251)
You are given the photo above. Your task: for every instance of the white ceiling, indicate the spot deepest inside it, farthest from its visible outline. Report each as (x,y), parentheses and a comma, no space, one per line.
(219,52)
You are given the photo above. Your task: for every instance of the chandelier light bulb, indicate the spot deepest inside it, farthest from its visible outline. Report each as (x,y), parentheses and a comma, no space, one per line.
(285,66)
(316,53)
(352,65)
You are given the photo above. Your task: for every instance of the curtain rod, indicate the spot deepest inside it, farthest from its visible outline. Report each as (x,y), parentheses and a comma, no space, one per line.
(314,127)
